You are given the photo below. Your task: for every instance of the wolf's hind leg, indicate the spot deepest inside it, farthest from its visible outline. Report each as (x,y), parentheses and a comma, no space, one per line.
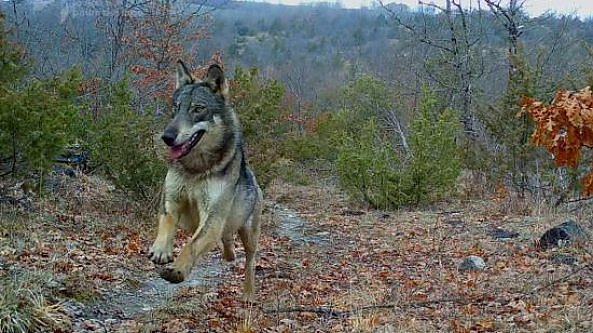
(228,247)
(249,234)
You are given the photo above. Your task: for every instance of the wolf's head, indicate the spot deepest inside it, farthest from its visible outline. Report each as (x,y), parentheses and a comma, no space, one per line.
(201,121)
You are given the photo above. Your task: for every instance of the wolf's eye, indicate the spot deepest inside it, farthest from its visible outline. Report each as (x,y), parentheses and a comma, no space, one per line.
(174,109)
(198,108)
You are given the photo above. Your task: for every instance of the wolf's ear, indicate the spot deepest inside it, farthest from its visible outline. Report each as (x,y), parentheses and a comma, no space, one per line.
(215,78)
(183,75)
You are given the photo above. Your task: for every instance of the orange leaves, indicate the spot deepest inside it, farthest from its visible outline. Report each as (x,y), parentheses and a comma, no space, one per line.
(134,244)
(564,127)
(587,183)
(157,39)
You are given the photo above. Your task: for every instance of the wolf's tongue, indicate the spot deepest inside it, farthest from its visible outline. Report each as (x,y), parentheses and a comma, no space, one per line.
(176,152)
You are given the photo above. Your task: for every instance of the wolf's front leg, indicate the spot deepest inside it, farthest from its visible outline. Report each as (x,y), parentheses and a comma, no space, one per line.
(203,240)
(161,251)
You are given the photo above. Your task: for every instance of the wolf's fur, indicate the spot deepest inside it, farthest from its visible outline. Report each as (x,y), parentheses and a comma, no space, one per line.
(209,189)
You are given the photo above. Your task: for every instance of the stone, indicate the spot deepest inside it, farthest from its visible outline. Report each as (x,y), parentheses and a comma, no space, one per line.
(472,263)
(563,234)
(561,258)
(498,233)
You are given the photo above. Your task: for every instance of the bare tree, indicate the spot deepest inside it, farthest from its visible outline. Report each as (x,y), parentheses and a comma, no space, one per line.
(113,17)
(523,79)
(457,52)
(295,82)
(510,16)
(151,33)
(18,20)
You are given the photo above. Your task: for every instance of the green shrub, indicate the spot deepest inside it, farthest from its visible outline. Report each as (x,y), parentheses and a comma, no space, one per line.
(36,116)
(121,144)
(322,143)
(361,100)
(257,102)
(37,120)
(435,158)
(12,66)
(369,166)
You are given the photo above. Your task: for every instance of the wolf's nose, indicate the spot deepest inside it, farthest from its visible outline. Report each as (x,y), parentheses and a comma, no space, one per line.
(169,138)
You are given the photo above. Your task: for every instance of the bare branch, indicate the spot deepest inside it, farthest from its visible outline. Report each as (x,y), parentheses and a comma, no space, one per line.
(480,299)
(395,124)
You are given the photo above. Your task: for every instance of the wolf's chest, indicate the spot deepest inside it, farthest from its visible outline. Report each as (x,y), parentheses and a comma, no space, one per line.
(206,193)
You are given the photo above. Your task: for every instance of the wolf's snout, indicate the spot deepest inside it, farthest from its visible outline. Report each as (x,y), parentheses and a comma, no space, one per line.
(169,137)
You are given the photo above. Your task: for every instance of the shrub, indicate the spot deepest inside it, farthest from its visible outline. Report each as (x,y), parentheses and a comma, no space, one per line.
(36,121)
(369,167)
(364,98)
(121,144)
(257,102)
(435,158)
(36,116)
(322,143)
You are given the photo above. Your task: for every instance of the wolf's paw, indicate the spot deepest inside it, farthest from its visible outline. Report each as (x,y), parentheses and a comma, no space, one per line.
(172,274)
(161,255)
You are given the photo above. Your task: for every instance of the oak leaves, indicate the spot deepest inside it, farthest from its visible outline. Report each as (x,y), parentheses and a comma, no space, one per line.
(564,127)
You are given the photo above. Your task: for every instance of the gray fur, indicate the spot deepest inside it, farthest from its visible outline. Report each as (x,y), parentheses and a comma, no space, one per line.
(209,188)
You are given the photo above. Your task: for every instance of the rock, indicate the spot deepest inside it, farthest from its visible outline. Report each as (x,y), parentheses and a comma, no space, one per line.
(472,263)
(52,184)
(498,233)
(563,234)
(352,212)
(561,258)
(64,170)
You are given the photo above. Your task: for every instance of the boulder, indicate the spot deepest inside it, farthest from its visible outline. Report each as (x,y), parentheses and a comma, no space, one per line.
(563,234)
(470,263)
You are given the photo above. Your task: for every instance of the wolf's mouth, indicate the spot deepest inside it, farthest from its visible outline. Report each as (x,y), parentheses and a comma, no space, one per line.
(179,151)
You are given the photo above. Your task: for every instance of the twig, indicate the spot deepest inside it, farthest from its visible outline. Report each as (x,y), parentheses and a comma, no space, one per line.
(318,310)
(551,283)
(351,212)
(444,212)
(330,312)
(578,200)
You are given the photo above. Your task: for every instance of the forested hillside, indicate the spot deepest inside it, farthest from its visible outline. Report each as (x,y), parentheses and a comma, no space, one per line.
(424,169)
(293,42)
(463,56)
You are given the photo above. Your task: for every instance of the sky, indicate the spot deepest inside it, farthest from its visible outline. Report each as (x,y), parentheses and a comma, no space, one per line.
(582,8)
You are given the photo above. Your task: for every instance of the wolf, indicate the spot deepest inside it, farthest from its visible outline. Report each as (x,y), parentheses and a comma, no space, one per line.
(209,188)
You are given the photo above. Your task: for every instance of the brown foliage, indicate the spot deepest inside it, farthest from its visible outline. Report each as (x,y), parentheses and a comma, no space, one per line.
(564,127)
(157,40)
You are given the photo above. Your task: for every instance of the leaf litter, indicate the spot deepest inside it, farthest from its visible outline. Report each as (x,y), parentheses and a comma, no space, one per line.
(319,269)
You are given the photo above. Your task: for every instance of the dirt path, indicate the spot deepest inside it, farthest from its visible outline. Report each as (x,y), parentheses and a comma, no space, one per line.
(120,304)
(154,292)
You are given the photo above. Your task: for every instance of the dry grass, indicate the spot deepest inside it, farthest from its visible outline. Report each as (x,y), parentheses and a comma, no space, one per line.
(378,271)
(59,247)
(24,306)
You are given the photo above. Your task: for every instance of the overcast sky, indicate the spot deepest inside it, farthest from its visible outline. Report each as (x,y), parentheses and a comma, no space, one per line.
(582,8)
